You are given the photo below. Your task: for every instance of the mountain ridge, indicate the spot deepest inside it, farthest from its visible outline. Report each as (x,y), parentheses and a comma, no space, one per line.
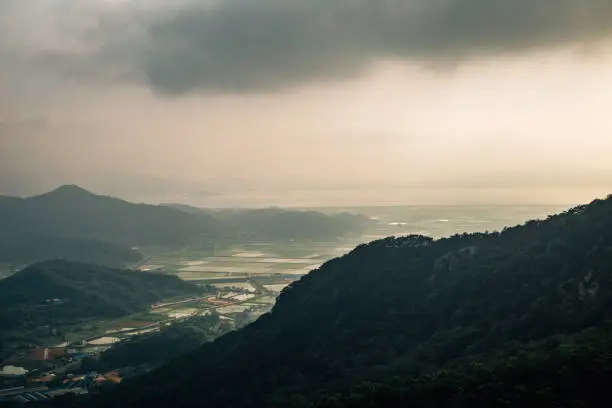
(73,212)
(69,190)
(100,225)
(84,291)
(406,307)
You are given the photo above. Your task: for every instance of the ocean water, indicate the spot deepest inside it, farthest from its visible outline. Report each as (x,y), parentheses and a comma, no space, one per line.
(396,197)
(441,221)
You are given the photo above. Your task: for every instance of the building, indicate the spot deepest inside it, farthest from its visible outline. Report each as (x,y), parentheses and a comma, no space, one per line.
(113,376)
(12,371)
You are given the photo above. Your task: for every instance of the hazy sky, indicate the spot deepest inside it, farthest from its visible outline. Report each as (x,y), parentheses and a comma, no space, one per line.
(308,102)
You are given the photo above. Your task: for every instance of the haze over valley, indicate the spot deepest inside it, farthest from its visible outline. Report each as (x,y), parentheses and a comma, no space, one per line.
(305,203)
(198,273)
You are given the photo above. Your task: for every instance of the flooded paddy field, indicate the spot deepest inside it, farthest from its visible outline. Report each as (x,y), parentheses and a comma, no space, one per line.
(243,266)
(252,275)
(265,268)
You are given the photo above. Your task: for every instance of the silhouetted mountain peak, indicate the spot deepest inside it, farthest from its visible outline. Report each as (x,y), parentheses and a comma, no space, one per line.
(70,190)
(70,193)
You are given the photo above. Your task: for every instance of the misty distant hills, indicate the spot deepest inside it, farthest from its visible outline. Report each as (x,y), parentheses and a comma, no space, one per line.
(188,208)
(74,224)
(82,291)
(73,212)
(273,224)
(278,224)
(24,248)
(521,317)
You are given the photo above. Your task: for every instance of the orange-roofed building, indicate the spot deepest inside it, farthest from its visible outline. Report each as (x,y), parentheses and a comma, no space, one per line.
(113,376)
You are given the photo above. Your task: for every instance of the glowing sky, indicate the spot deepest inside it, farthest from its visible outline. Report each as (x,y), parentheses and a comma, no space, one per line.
(308,102)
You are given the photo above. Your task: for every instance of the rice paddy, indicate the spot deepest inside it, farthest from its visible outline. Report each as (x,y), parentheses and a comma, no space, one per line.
(246,266)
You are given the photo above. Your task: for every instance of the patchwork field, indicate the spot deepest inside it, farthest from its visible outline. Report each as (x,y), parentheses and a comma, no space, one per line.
(258,266)
(265,269)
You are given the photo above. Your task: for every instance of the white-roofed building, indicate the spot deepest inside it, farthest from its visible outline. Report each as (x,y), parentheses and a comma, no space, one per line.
(12,371)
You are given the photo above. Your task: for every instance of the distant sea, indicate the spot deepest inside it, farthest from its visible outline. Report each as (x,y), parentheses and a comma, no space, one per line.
(441,221)
(394,217)
(395,197)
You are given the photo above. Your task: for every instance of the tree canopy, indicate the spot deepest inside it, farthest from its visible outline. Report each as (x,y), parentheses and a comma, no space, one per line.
(455,321)
(63,291)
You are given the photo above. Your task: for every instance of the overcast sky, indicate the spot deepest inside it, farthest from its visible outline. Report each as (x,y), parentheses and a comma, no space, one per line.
(302,102)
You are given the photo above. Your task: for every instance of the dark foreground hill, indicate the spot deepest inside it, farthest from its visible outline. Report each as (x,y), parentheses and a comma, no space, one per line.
(58,291)
(155,349)
(480,320)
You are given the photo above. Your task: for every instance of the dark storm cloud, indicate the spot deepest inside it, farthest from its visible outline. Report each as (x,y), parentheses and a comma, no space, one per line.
(241,45)
(268,43)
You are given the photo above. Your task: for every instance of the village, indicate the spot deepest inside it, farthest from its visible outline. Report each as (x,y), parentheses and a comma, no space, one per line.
(238,285)
(35,372)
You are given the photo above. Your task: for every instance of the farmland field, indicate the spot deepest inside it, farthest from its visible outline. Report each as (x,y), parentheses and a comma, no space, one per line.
(240,266)
(265,268)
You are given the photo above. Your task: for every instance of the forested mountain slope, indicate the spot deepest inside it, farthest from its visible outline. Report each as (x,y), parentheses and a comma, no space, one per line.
(397,311)
(154,349)
(72,212)
(73,224)
(275,224)
(63,291)
(24,249)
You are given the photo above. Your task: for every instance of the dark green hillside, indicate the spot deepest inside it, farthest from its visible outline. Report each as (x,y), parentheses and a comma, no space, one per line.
(484,308)
(72,212)
(73,224)
(548,374)
(84,291)
(157,348)
(273,224)
(27,249)
(188,208)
